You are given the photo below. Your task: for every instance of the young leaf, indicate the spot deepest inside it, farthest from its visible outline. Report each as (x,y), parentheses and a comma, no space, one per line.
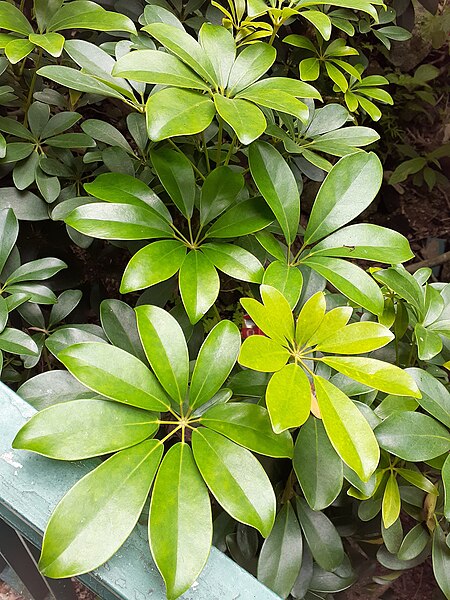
(347,429)
(199,284)
(288,398)
(166,349)
(60,431)
(348,189)
(236,479)
(80,535)
(310,318)
(152,264)
(277,185)
(215,360)
(180,523)
(248,425)
(317,466)
(356,338)
(281,554)
(263,354)
(391,502)
(95,366)
(274,316)
(376,374)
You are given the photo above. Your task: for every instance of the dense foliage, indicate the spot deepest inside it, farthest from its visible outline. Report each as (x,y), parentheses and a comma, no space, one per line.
(324,435)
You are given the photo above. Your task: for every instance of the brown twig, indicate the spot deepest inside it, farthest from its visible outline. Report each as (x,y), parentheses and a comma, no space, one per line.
(429,262)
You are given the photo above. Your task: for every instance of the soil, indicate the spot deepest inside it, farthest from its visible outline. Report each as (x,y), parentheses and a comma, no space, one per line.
(7,593)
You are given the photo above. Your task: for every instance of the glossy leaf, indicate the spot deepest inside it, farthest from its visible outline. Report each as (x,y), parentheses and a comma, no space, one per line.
(215,360)
(376,374)
(17,342)
(391,502)
(277,185)
(413,436)
(348,189)
(263,354)
(252,62)
(288,398)
(235,478)
(441,560)
(166,349)
(234,261)
(199,284)
(246,217)
(356,338)
(60,431)
(285,278)
(281,554)
(435,397)
(80,535)
(95,366)
(152,264)
(219,191)
(173,112)
(274,316)
(180,523)
(9,230)
(349,432)
(317,466)
(244,117)
(177,176)
(310,318)
(249,426)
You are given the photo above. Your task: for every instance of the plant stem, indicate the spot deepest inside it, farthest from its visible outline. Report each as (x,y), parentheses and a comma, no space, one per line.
(230,150)
(219,142)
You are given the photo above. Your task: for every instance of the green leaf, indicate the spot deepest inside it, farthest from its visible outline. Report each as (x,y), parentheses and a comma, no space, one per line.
(24,172)
(435,396)
(83,14)
(176,174)
(252,62)
(288,280)
(281,554)
(184,47)
(69,335)
(15,128)
(180,523)
(3,313)
(40,294)
(274,316)
(418,480)
(17,50)
(17,342)
(219,191)
(262,354)
(446,484)
(124,189)
(310,318)
(152,264)
(356,338)
(414,543)
(173,112)
(234,261)
(36,270)
(333,321)
(82,536)
(428,343)
(248,425)
(95,366)
(317,466)
(235,478)
(321,536)
(117,221)
(407,168)
(106,133)
(9,230)
(320,20)
(413,436)
(347,429)
(309,69)
(276,100)
(119,324)
(12,19)
(292,87)
(220,48)
(288,398)
(441,560)
(76,80)
(52,43)
(66,303)
(336,76)
(403,284)
(391,504)
(216,357)
(277,184)
(60,431)
(199,284)
(153,66)
(246,217)
(369,242)
(244,117)
(350,280)
(376,374)
(166,349)
(347,190)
